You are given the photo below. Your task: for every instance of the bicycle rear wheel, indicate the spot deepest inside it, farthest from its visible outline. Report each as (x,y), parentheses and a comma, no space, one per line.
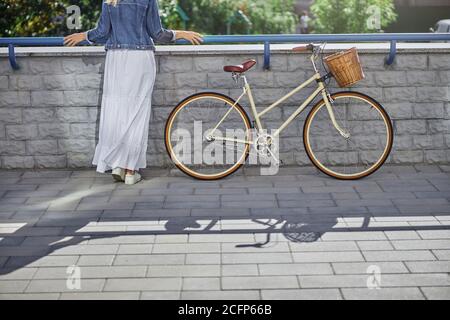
(369,144)
(197,131)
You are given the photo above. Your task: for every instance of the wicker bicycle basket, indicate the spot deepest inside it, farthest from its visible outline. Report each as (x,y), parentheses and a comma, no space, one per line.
(345,67)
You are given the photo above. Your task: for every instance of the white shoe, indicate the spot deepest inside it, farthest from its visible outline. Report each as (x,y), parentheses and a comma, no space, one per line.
(118,174)
(132,178)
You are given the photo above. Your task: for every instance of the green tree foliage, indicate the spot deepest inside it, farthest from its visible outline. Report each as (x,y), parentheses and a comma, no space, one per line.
(29,17)
(47,17)
(351,16)
(221,16)
(272,16)
(22,18)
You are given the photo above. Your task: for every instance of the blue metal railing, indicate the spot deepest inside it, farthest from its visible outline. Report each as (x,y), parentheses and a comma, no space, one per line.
(267,39)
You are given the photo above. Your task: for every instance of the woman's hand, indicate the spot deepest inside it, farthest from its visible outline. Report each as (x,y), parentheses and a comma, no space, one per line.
(192,37)
(74,39)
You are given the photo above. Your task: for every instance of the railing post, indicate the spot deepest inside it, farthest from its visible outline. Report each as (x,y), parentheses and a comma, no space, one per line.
(267,55)
(392,53)
(12,57)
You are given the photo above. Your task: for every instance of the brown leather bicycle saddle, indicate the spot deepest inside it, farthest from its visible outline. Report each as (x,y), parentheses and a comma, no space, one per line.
(247,65)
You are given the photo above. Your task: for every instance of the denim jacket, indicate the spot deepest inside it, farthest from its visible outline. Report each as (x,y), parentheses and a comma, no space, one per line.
(131,24)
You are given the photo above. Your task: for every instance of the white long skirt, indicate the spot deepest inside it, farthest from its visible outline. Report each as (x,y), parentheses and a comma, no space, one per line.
(125,111)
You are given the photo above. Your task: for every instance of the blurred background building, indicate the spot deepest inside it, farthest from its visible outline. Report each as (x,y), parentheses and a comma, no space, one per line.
(413,15)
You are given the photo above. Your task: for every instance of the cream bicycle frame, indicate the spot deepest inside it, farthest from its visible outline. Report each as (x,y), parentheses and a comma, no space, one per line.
(257,116)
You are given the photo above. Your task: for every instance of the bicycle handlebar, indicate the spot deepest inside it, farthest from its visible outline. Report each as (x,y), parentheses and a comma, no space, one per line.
(309,47)
(315,50)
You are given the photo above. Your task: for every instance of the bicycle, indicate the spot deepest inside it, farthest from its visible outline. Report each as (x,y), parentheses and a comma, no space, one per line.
(354,144)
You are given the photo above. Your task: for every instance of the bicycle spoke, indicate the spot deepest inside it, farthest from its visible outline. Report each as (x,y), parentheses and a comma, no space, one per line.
(365,149)
(202,122)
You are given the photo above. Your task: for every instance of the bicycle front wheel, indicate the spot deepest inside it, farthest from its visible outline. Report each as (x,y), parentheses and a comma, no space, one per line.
(368,145)
(207,136)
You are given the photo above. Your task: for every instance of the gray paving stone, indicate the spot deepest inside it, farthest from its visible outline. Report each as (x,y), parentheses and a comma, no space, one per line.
(388,195)
(38,231)
(128,249)
(223,237)
(338,210)
(192,198)
(100,296)
(442,254)
(245,258)
(361,236)
(157,212)
(200,284)
(11,241)
(160,295)
(45,241)
(239,270)
(306,203)
(87,250)
(432,195)
(124,239)
(221,212)
(295,269)
(364,203)
(186,248)
(387,280)
(437,293)
(428,266)
(219,191)
(250,204)
(273,247)
(90,272)
(161,259)
(172,191)
(274,212)
(192,205)
(203,258)
(421,244)
(13,286)
(17,274)
(221,295)
(3,261)
(301,294)
(323,246)
(375,245)
(39,261)
(171,238)
(421,202)
(345,196)
(87,285)
(280,190)
(334,256)
(383,294)
(135,248)
(397,255)
(96,260)
(259,282)
(327,189)
(184,271)
(143,284)
(363,267)
(434,234)
(30,296)
(402,235)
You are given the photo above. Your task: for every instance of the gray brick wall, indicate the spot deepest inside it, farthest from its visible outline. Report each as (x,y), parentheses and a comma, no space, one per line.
(49,109)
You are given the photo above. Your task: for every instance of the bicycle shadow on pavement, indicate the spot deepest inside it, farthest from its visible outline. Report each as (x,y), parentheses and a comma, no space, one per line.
(24,241)
(19,251)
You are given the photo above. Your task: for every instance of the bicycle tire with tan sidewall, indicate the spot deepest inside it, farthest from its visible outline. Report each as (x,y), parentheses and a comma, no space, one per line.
(373,168)
(168,129)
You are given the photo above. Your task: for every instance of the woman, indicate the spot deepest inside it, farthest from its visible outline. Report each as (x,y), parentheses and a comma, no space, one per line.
(130,29)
